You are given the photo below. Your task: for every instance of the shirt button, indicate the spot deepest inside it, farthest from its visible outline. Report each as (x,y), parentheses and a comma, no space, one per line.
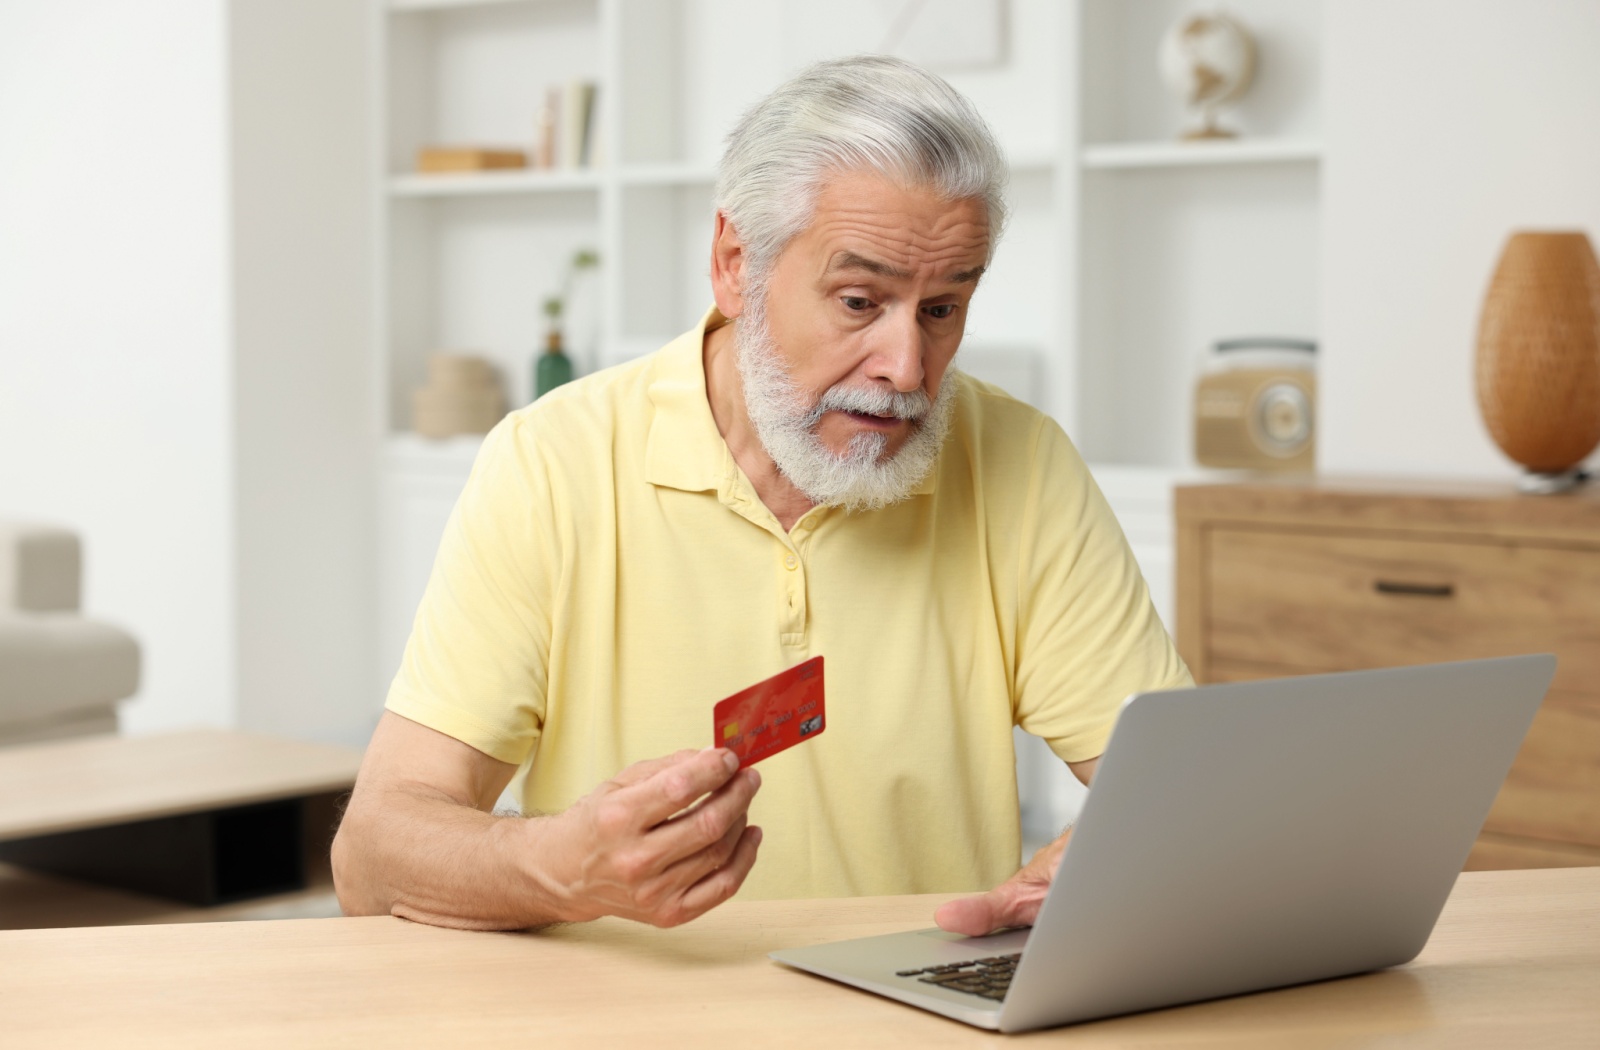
(790,561)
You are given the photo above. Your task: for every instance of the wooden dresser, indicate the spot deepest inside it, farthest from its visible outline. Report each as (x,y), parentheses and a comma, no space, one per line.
(1299,577)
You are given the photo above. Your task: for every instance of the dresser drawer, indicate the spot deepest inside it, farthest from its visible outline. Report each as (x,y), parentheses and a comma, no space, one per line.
(1323,601)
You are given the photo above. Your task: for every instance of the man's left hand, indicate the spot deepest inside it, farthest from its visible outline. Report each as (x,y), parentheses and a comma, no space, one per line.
(1015,902)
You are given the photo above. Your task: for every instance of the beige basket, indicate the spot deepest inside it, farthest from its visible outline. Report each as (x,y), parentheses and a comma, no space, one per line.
(463,396)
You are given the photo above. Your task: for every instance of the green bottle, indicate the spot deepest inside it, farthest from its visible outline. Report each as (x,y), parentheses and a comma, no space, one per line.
(553,367)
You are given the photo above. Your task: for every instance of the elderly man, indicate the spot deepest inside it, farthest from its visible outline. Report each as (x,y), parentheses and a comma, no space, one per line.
(803,473)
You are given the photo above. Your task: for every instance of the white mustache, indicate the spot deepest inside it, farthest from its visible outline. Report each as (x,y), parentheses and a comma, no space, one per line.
(872,401)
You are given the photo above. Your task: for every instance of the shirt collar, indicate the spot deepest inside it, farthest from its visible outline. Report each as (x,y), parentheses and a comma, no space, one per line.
(685,450)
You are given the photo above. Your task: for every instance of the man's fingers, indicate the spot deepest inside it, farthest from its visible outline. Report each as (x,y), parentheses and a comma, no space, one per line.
(642,771)
(722,883)
(663,857)
(690,869)
(1015,902)
(672,789)
(701,827)
(972,916)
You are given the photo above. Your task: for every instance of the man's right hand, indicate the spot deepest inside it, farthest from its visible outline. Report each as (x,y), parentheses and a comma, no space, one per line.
(642,847)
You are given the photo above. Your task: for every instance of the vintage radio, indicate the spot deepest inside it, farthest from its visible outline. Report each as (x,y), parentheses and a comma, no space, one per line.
(1254,406)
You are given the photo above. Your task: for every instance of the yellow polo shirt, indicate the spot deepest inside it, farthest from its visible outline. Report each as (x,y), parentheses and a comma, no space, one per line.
(609,574)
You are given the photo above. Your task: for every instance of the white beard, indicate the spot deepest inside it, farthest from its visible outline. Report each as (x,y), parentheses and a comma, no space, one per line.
(860,478)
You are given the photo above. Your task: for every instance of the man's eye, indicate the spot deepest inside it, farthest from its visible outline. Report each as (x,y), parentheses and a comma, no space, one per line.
(943,310)
(856,302)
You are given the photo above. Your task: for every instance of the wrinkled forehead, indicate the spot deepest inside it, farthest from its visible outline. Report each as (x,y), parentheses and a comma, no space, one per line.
(868,223)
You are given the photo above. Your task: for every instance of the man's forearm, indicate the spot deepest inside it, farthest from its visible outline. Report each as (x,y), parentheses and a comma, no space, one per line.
(427,857)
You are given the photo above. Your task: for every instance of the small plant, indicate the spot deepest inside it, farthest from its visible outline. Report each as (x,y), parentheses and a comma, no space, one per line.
(552,368)
(556,305)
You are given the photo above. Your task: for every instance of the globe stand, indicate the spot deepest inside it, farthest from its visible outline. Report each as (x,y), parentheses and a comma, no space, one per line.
(1209,130)
(1538,483)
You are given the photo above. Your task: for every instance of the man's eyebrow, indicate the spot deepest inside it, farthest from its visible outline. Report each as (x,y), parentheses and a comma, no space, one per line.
(848,260)
(851,261)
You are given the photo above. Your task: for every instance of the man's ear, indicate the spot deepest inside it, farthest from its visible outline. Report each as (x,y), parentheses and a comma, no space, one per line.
(727,268)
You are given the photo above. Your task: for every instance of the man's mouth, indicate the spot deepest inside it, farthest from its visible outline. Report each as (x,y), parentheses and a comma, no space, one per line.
(877,422)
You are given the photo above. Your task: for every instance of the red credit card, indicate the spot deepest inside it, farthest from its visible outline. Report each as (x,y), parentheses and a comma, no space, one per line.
(773,715)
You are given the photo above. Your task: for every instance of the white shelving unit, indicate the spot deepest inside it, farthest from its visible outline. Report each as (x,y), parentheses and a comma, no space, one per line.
(467,257)
(1127,254)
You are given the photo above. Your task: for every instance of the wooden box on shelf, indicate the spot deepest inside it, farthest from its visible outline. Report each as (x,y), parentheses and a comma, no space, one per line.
(438,159)
(1301,577)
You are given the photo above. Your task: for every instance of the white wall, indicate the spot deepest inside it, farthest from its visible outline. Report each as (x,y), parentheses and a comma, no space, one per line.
(184,352)
(1449,124)
(114,412)
(305,407)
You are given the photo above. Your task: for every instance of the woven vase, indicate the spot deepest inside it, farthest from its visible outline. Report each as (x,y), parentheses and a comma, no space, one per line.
(1539,351)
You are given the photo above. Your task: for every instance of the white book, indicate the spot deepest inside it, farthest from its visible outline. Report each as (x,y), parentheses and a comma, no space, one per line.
(577,104)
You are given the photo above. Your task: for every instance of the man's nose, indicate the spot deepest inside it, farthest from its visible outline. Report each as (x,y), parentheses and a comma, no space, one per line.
(897,357)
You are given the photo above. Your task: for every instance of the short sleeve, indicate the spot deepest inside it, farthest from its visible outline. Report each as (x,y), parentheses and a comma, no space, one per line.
(476,665)
(1087,634)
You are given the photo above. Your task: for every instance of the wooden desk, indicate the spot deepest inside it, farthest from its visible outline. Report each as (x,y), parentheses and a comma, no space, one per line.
(1515,961)
(81,807)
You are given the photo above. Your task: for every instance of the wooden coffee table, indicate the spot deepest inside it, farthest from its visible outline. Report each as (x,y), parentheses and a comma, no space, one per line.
(163,825)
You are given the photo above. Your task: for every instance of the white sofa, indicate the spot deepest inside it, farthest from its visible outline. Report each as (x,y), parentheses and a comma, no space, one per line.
(60,674)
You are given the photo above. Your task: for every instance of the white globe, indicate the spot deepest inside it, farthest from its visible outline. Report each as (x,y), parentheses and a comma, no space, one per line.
(1207,59)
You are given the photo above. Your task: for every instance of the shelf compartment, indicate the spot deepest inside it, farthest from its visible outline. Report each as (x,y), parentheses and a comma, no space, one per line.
(1182,257)
(1115,155)
(469,274)
(1124,98)
(479,74)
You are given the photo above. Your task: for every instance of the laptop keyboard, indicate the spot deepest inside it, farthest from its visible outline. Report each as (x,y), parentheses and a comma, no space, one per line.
(988,978)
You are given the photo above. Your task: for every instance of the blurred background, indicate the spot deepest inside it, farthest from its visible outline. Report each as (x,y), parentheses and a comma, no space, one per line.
(262,261)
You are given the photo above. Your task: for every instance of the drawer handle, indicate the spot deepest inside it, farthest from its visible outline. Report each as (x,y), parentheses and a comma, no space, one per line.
(1417,590)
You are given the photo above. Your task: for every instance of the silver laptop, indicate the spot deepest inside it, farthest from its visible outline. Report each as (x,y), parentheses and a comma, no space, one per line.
(1237,838)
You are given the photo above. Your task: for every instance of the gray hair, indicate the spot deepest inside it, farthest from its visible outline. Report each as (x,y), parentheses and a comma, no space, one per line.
(867,113)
